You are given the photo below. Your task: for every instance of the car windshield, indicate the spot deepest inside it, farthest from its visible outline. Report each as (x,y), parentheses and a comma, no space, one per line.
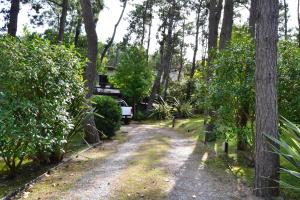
(123,104)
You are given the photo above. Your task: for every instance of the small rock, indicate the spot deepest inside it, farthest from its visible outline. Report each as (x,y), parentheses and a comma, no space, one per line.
(71,174)
(167,180)
(108,183)
(128,195)
(25,195)
(194,196)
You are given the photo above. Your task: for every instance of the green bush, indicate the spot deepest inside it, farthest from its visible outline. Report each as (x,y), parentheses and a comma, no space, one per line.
(161,110)
(133,75)
(38,84)
(108,120)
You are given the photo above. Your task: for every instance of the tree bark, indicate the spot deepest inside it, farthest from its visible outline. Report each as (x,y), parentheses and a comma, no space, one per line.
(267,163)
(181,52)
(298,12)
(193,69)
(215,10)
(156,84)
(92,135)
(78,31)
(108,45)
(149,32)
(242,120)
(226,30)
(63,19)
(285,20)
(13,17)
(253,17)
(169,50)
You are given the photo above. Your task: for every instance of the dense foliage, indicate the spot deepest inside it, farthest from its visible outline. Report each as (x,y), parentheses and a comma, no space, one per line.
(232,89)
(289,84)
(108,120)
(39,83)
(133,75)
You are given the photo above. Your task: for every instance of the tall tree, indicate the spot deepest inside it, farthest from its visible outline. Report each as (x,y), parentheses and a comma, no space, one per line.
(63,19)
(253,17)
(150,16)
(182,45)
(111,40)
(198,7)
(298,12)
(160,66)
(172,17)
(226,30)
(92,134)
(13,17)
(267,163)
(215,9)
(285,20)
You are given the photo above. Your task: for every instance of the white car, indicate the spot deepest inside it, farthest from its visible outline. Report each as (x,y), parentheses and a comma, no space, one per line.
(127,112)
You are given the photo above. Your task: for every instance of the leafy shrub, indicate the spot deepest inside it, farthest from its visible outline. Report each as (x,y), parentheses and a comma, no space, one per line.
(133,75)
(288,147)
(39,83)
(289,76)
(108,120)
(182,109)
(139,115)
(161,110)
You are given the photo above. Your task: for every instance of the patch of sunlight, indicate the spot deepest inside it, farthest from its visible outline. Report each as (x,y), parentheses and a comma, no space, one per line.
(204,157)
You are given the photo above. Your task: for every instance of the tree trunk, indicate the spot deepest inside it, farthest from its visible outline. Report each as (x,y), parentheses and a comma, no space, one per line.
(168,56)
(215,9)
(149,32)
(62,20)
(13,17)
(181,52)
(108,45)
(285,20)
(193,69)
(298,12)
(92,135)
(267,163)
(253,17)
(156,85)
(226,30)
(77,31)
(242,120)
(144,23)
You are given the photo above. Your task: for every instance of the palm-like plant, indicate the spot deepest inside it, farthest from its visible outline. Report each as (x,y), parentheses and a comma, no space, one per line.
(182,109)
(288,147)
(161,110)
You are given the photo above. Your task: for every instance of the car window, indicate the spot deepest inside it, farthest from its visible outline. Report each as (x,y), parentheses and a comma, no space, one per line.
(122,104)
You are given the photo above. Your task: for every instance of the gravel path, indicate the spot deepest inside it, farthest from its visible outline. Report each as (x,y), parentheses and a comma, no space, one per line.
(189,179)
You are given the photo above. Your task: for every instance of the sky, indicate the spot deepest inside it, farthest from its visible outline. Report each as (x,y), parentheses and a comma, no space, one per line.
(109,16)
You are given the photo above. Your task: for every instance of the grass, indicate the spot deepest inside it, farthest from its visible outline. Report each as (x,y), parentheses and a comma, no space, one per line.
(144,179)
(29,171)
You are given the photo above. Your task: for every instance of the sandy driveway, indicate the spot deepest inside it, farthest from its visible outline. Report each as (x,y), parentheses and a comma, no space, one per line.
(188,176)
